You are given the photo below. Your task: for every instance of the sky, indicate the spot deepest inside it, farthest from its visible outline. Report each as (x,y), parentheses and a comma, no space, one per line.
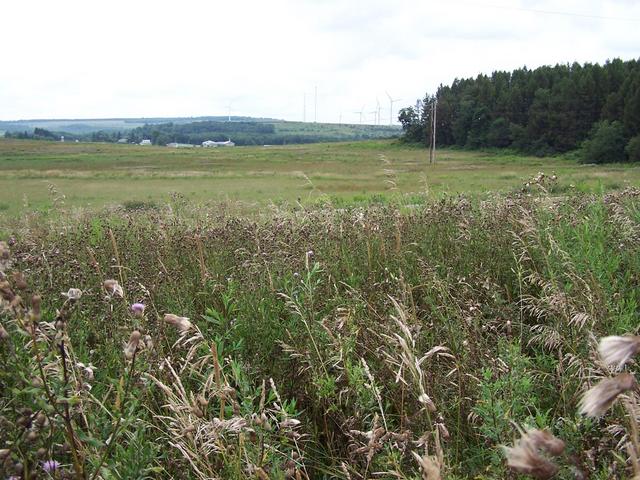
(99,59)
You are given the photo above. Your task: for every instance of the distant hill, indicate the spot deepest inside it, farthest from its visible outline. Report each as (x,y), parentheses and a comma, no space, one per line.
(242,130)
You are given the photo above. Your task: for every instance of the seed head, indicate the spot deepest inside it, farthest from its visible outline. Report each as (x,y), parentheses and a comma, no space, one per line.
(181,323)
(50,466)
(113,288)
(19,281)
(544,440)
(525,458)
(137,309)
(36,301)
(597,400)
(618,350)
(73,294)
(132,346)
(3,333)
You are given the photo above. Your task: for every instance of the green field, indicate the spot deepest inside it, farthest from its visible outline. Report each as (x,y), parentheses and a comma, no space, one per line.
(96,174)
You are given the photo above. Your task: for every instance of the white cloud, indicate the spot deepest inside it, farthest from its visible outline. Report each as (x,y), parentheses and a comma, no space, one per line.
(79,59)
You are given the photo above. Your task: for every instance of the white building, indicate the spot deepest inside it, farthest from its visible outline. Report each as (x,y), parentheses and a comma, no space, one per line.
(145,142)
(180,145)
(210,143)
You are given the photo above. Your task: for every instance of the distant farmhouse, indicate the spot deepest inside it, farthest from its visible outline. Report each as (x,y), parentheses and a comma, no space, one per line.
(210,144)
(180,145)
(145,142)
(123,140)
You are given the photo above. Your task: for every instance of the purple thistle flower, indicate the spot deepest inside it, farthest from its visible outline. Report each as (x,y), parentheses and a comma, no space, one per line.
(137,309)
(50,466)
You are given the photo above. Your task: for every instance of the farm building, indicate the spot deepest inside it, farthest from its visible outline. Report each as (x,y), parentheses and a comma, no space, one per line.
(180,145)
(210,143)
(145,142)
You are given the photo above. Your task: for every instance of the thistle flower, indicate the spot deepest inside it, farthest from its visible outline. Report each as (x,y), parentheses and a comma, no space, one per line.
(525,458)
(137,309)
(132,346)
(544,440)
(181,323)
(597,400)
(113,288)
(618,350)
(50,466)
(73,294)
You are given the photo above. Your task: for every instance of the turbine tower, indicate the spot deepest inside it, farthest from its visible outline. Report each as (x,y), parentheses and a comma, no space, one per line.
(360,113)
(229,109)
(375,116)
(391,102)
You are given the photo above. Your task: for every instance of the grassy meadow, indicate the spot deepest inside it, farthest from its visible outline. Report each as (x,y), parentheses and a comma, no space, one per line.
(34,174)
(386,328)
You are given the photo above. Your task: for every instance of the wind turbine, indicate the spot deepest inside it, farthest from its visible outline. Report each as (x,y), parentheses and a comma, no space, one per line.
(229,109)
(360,113)
(375,118)
(378,105)
(391,102)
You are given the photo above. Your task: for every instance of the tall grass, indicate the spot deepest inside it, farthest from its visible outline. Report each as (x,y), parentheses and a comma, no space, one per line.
(360,342)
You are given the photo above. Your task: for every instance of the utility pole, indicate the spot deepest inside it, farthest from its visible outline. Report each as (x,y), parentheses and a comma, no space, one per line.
(432,135)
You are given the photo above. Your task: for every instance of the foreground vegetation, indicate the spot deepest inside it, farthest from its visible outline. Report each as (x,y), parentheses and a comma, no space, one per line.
(37,175)
(386,341)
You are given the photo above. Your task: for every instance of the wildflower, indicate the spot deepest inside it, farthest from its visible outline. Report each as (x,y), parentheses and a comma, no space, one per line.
(598,399)
(618,350)
(132,346)
(73,294)
(113,288)
(181,323)
(50,466)
(525,458)
(137,309)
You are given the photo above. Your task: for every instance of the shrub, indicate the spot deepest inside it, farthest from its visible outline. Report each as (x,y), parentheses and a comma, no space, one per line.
(605,145)
(633,149)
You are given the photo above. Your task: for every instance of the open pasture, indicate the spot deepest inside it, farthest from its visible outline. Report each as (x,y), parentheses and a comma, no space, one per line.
(33,174)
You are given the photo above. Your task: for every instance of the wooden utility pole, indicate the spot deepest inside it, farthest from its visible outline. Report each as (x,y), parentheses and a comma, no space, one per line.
(432,136)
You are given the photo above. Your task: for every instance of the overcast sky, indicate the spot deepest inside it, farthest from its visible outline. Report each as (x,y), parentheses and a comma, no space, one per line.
(139,58)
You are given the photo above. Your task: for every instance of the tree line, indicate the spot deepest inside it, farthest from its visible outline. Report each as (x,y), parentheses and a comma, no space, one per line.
(547,110)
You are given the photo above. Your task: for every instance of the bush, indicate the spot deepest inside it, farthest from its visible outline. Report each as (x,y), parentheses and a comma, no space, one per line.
(606,144)
(633,149)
